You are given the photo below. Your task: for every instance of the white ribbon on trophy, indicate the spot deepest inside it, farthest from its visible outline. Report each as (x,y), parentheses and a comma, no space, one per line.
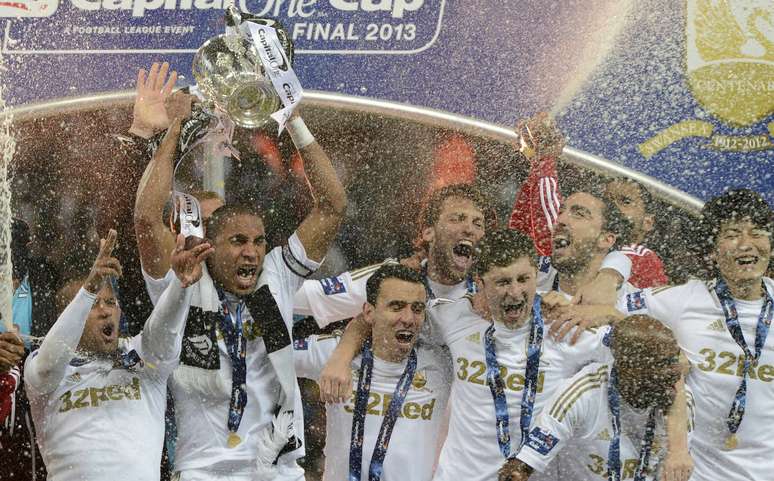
(278,69)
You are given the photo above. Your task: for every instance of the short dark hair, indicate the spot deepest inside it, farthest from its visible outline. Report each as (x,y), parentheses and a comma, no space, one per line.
(647,197)
(501,248)
(389,271)
(732,206)
(432,211)
(219,216)
(614,221)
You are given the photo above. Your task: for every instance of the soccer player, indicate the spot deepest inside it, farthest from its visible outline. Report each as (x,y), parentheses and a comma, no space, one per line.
(721,325)
(400,391)
(538,204)
(636,203)
(237,404)
(98,401)
(506,369)
(608,420)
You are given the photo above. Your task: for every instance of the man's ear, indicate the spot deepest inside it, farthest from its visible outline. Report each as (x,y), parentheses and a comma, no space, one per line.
(368,313)
(606,241)
(648,222)
(428,234)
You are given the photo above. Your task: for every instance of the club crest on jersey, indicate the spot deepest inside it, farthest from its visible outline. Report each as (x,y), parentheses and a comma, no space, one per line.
(420,380)
(541,441)
(635,301)
(333,285)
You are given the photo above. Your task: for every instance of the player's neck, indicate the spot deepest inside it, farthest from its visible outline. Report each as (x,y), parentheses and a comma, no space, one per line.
(746,290)
(570,282)
(437,275)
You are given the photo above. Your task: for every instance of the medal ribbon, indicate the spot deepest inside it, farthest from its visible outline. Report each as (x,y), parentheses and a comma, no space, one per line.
(614,451)
(497,387)
(761,333)
(388,423)
(237,351)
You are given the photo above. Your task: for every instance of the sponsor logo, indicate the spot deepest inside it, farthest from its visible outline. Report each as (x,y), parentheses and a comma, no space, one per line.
(97,396)
(541,441)
(717,325)
(729,67)
(544,265)
(729,364)
(379,405)
(635,301)
(333,285)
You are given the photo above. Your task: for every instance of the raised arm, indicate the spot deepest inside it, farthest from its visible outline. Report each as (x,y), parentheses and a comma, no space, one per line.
(46,367)
(154,109)
(154,239)
(320,226)
(161,338)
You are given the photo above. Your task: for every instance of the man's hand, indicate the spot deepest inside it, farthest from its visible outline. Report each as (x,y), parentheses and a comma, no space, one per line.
(11,351)
(336,378)
(514,470)
(153,88)
(540,137)
(677,465)
(414,262)
(564,319)
(105,266)
(187,263)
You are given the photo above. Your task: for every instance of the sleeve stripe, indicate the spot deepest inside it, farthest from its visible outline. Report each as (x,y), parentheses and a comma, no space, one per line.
(656,290)
(599,375)
(365,271)
(574,399)
(547,200)
(296,266)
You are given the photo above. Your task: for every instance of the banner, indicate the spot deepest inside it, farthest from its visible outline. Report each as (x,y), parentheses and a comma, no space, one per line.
(682,90)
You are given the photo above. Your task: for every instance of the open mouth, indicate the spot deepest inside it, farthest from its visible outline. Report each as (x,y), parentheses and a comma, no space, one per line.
(109,331)
(462,254)
(746,261)
(560,241)
(514,310)
(246,276)
(404,336)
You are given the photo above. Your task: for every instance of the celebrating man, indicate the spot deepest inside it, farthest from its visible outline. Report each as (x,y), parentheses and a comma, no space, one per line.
(400,392)
(97,401)
(236,398)
(609,420)
(722,328)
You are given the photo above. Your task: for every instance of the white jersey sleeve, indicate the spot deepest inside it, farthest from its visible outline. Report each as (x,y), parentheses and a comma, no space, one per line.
(619,262)
(163,331)
(565,417)
(311,354)
(155,287)
(45,368)
(592,346)
(334,298)
(662,303)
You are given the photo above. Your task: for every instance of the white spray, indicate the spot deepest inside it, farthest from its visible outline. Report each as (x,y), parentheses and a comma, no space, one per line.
(8,146)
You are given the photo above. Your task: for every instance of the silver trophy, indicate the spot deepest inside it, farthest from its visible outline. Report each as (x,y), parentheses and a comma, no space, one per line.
(229,72)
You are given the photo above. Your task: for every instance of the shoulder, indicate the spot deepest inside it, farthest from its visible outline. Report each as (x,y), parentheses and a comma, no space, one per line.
(587,387)
(448,309)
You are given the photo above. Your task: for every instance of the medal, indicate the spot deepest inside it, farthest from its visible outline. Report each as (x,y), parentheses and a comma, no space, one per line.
(731,442)
(233,440)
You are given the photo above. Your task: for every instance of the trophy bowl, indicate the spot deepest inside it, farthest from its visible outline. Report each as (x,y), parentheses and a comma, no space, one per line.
(229,73)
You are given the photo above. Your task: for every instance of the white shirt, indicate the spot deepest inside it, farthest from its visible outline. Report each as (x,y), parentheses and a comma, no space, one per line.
(342,297)
(471,451)
(412,448)
(101,421)
(202,418)
(577,423)
(694,314)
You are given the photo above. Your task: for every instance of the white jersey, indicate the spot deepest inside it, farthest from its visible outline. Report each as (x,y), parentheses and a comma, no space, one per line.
(471,451)
(104,421)
(412,448)
(342,297)
(202,420)
(577,422)
(694,314)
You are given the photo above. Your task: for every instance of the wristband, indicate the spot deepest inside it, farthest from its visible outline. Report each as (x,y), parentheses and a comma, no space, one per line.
(300,133)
